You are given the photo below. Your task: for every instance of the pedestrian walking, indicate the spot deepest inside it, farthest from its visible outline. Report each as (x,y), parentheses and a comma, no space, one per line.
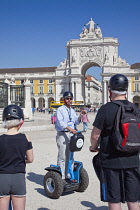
(54,118)
(84,120)
(15,151)
(33,110)
(119,177)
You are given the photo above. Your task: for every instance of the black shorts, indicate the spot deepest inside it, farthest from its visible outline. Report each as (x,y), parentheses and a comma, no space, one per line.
(120,185)
(12,184)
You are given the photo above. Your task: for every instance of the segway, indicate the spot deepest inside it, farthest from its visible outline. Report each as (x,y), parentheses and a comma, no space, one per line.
(78,178)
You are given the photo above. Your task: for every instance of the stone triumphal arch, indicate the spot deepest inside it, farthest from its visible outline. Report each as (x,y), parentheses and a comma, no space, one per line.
(91,49)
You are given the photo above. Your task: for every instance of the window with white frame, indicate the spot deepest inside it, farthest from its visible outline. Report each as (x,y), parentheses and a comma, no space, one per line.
(50,80)
(31,81)
(62,89)
(50,89)
(136,87)
(41,81)
(136,78)
(32,90)
(40,89)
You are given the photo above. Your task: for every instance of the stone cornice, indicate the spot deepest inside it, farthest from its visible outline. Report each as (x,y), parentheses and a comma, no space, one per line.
(111,74)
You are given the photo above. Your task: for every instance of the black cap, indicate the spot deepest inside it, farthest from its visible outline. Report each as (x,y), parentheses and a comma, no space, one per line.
(67,93)
(118,82)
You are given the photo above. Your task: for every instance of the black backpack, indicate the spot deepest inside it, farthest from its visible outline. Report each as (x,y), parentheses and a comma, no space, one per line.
(126,130)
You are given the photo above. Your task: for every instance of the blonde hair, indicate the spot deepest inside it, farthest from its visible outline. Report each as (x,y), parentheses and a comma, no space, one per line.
(12,123)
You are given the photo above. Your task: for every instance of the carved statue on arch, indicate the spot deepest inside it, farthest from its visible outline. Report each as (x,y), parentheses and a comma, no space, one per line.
(98,32)
(91,24)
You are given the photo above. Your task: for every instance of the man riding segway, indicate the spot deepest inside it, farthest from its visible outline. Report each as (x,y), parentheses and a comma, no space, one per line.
(67,175)
(65,126)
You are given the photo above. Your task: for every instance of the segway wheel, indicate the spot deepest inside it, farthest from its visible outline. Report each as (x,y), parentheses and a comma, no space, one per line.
(84,180)
(53,184)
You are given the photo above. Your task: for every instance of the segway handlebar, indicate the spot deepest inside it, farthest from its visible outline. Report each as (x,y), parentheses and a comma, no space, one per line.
(80,131)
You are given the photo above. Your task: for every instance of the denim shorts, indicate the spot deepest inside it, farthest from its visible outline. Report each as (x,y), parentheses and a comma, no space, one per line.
(12,184)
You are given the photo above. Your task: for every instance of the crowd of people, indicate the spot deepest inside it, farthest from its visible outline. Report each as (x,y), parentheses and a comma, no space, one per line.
(119,171)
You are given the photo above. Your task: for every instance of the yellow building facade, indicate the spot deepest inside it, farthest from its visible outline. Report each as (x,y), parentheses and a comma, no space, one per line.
(41,81)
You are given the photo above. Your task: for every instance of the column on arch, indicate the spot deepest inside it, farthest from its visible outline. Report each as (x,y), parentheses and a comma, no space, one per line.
(107,92)
(9,100)
(78,91)
(129,90)
(67,86)
(58,90)
(104,92)
(36,102)
(46,103)
(72,87)
(27,109)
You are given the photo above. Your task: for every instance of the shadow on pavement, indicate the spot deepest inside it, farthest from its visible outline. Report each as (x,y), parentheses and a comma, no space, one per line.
(91,206)
(41,191)
(37,178)
(67,193)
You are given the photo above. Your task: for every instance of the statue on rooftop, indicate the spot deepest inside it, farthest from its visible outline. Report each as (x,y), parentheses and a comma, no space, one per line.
(91,24)
(63,63)
(98,32)
(91,32)
(84,32)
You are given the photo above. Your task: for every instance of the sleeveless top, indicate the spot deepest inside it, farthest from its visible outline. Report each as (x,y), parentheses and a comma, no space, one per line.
(12,153)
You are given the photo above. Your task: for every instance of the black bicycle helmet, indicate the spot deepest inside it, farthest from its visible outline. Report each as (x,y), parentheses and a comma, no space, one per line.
(12,112)
(118,82)
(67,93)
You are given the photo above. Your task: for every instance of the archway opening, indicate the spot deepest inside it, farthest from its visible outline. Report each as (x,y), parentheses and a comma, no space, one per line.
(95,71)
(136,101)
(33,102)
(49,101)
(92,85)
(61,99)
(41,103)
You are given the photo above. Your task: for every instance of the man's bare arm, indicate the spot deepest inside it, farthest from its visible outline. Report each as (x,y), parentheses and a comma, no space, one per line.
(95,134)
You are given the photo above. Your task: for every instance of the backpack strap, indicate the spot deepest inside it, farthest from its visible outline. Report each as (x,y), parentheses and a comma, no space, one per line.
(120,103)
(130,106)
(121,109)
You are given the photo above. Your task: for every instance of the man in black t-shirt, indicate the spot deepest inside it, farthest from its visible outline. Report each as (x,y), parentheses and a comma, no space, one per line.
(119,171)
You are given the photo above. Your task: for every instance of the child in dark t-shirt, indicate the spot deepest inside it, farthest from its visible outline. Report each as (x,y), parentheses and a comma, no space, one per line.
(15,151)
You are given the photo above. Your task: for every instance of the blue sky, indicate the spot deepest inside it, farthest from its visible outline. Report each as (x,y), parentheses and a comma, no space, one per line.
(33,33)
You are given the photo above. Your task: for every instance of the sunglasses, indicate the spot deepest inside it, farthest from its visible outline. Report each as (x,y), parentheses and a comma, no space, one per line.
(68,98)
